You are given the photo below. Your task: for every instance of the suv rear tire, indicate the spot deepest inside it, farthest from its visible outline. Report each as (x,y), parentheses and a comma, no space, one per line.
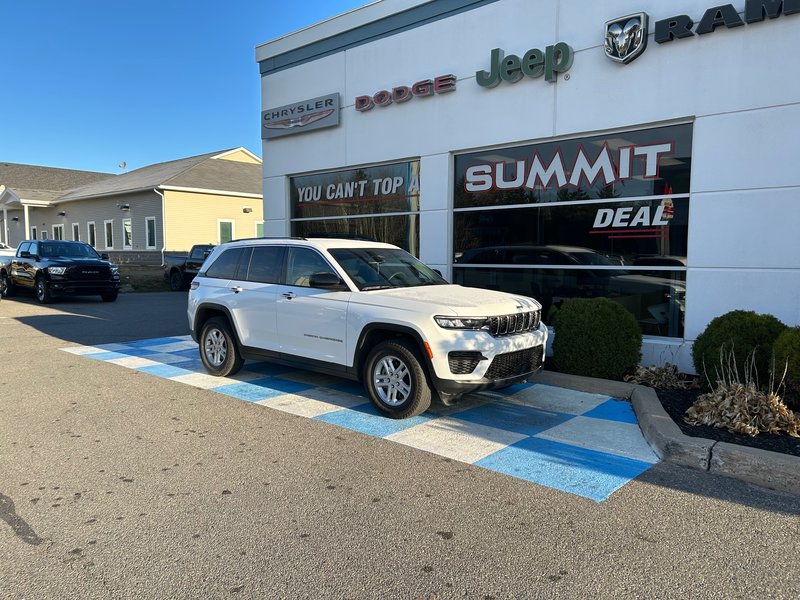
(395,380)
(218,349)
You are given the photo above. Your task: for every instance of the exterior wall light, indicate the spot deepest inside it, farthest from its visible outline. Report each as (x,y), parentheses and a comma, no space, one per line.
(125,207)
(247,209)
(63,213)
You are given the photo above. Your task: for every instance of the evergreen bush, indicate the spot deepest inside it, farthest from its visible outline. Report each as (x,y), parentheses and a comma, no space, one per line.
(787,356)
(596,337)
(741,332)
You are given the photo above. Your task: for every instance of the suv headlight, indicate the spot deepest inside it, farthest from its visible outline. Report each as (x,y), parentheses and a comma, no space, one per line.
(56,270)
(114,270)
(461,322)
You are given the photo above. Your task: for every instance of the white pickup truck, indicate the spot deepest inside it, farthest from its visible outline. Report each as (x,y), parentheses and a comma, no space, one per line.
(363,310)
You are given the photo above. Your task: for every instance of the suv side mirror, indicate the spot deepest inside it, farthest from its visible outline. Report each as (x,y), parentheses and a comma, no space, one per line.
(104,256)
(327,281)
(24,254)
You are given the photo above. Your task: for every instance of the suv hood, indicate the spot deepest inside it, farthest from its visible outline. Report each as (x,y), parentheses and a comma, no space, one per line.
(455,300)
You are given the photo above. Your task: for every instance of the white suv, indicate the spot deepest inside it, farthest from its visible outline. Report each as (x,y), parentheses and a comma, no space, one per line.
(365,311)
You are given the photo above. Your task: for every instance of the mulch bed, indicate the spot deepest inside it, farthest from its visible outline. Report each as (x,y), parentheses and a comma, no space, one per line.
(675,402)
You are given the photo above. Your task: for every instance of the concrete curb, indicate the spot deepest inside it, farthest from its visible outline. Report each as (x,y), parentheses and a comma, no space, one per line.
(766,469)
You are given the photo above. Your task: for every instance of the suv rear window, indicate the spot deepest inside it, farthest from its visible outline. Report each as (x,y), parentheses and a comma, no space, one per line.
(266,264)
(225,267)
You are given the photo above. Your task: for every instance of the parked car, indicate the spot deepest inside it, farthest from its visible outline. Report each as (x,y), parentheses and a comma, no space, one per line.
(180,269)
(53,268)
(6,250)
(363,310)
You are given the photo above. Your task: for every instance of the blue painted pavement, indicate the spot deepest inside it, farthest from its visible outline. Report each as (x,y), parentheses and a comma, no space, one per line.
(584,444)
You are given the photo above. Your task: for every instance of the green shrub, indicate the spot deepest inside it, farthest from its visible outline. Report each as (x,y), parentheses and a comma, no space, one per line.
(596,338)
(787,356)
(742,332)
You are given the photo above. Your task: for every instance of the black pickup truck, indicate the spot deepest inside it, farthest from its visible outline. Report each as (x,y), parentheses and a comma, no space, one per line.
(180,269)
(53,268)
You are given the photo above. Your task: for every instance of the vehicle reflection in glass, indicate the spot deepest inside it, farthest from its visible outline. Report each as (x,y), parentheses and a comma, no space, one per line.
(649,287)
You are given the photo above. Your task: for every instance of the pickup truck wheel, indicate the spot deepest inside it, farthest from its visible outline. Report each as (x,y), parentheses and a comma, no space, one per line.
(395,380)
(176,281)
(5,285)
(218,349)
(42,289)
(109,296)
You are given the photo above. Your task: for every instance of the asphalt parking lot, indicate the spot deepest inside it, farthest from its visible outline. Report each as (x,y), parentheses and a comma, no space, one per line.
(117,482)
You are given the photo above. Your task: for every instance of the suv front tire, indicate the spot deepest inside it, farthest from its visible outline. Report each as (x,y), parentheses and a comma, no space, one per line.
(218,349)
(395,380)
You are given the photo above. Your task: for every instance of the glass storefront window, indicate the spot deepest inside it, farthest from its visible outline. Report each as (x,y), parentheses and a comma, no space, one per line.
(369,190)
(364,198)
(656,298)
(601,216)
(402,230)
(651,162)
(619,233)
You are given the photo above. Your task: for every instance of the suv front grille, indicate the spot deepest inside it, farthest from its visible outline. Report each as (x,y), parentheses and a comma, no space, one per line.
(511,364)
(464,363)
(516,323)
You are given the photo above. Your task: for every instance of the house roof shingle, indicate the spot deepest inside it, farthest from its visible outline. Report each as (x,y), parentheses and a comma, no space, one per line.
(200,172)
(34,177)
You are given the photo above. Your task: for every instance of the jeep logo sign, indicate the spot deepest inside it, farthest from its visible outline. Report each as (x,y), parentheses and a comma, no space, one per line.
(534,63)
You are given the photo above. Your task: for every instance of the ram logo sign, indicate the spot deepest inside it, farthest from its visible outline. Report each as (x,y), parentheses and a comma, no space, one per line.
(626,37)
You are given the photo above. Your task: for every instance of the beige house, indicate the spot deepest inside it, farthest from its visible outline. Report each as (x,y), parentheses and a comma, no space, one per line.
(137,216)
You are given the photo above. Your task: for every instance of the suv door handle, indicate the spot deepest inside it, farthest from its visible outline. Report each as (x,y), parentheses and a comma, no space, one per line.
(289,295)
(237,289)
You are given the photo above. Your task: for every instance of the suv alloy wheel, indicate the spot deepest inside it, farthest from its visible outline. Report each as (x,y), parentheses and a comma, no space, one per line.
(218,349)
(396,381)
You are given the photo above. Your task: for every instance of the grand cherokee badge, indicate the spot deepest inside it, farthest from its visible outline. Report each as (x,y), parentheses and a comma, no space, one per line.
(626,37)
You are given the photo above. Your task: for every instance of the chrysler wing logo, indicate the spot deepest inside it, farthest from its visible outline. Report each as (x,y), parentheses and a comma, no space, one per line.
(300,117)
(298,121)
(626,37)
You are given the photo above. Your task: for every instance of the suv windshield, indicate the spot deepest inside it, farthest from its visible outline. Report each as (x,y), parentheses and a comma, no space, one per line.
(67,250)
(381,268)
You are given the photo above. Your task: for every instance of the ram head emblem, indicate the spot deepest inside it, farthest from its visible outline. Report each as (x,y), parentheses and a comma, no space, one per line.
(626,37)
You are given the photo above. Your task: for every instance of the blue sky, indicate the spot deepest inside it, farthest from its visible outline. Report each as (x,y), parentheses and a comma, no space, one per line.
(87,84)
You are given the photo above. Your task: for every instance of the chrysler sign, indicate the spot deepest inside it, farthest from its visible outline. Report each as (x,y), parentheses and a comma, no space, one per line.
(299,117)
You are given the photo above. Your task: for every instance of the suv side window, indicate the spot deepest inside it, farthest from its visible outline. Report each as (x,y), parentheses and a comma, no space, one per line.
(302,263)
(266,264)
(34,249)
(225,267)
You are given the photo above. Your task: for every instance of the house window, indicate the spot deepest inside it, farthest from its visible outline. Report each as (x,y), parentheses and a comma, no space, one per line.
(33,232)
(127,236)
(225,231)
(90,232)
(109,230)
(43,235)
(76,232)
(259,228)
(150,228)
(58,232)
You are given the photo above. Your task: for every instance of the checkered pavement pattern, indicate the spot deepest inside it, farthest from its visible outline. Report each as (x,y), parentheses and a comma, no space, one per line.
(580,443)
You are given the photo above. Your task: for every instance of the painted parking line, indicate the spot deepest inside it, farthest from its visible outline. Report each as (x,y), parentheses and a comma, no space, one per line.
(584,444)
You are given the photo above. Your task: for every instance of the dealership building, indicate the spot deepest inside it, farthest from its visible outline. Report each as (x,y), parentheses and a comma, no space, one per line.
(639,150)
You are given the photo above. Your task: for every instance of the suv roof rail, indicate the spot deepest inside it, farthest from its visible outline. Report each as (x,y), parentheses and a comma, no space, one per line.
(274,237)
